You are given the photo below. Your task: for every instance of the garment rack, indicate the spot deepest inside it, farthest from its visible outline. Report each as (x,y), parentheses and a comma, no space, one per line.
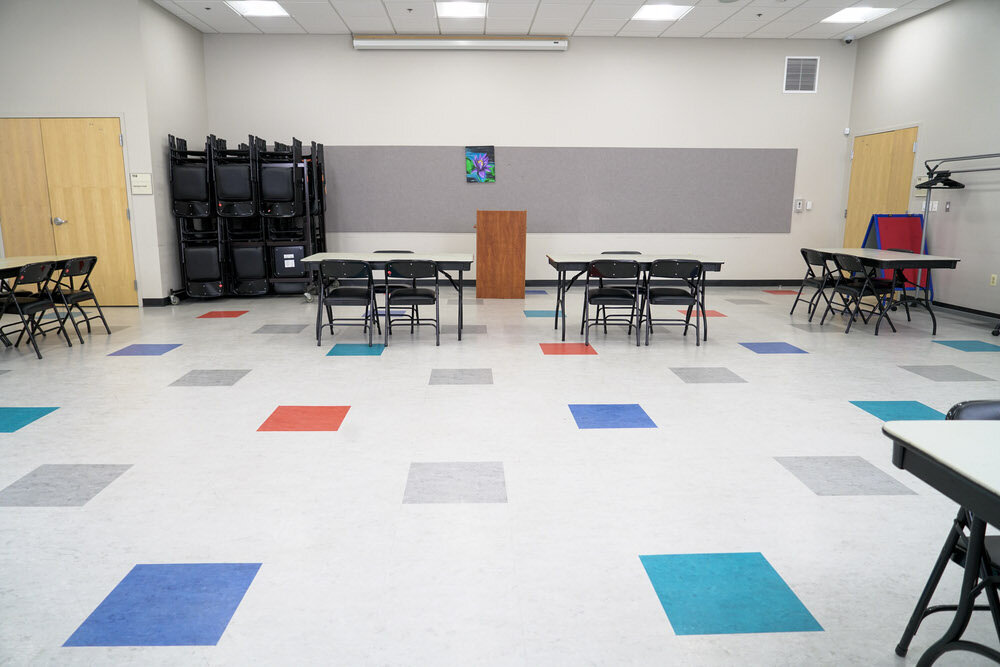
(940,179)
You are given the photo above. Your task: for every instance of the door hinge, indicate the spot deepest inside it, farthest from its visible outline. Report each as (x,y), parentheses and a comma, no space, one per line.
(914,147)
(852,154)
(135,285)
(845,212)
(128,214)
(121,141)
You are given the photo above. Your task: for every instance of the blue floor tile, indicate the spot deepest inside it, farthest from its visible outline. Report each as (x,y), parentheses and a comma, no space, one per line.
(11,419)
(186,604)
(539,313)
(611,416)
(356,350)
(711,594)
(144,350)
(773,348)
(897,410)
(535,291)
(970,345)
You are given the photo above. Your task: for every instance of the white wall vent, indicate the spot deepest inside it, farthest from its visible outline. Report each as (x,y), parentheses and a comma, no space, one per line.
(801,74)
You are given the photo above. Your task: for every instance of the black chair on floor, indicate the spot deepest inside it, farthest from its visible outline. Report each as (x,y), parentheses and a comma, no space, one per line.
(391,284)
(332,294)
(819,276)
(412,270)
(903,283)
(854,283)
(621,292)
(956,546)
(34,278)
(72,288)
(683,288)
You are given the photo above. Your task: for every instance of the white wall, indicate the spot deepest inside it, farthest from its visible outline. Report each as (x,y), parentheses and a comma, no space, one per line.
(71,58)
(941,70)
(602,92)
(173,62)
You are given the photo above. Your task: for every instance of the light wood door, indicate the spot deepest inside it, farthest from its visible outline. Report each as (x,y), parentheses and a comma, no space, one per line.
(500,252)
(24,192)
(85,170)
(881,170)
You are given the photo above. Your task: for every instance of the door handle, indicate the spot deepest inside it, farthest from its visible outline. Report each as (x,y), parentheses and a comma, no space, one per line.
(59,221)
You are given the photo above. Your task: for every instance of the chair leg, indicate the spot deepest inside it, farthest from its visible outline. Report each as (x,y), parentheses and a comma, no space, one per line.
(797,296)
(957,529)
(69,316)
(649,320)
(370,321)
(100,313)
(437,322)
(62,327)
(319,321)
(586,322)
(29,325)
(388,321)
(853,315)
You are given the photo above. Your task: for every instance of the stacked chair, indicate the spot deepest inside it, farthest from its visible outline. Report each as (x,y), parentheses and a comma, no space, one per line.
(246,216)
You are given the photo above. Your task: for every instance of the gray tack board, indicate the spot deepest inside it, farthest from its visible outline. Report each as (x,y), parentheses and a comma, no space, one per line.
(423,189)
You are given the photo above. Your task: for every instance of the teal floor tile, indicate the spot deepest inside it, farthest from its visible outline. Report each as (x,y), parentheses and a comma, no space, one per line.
(898,410)
(970,345)
(356,350)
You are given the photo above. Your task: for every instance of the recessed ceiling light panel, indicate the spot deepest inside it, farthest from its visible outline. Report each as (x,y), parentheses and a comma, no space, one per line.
(461,10)
(857,15)
(661,12)
(254,8)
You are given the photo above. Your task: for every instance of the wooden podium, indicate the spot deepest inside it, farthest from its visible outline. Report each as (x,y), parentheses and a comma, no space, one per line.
(500,243)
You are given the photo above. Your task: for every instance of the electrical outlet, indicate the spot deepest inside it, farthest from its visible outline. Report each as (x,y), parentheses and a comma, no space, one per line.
(993,280)
(799,204)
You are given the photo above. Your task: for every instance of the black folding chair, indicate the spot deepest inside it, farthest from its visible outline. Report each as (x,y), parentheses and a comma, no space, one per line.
(390,284)
(854,283)
(819,276)
(683,288)
(72,288)
(412,269)
(956,547)
(623,293)
(332,294)
(29,309)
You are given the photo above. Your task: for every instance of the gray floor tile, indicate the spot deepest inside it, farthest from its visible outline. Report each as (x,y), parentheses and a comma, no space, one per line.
(281,329)
(466,329)
(702,375)
(461,376)
(842,476)
(209,378)
(946,373)
(60,485)
(456,482)
(748,301)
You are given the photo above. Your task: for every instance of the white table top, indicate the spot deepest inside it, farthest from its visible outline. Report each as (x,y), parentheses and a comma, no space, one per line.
(19,261)
(886,255)
(580,257)
(970,448)
(387,256)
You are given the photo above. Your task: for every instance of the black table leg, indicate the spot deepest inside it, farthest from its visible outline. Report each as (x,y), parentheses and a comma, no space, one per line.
(460,304)
(704,314)
(950,641)
(559,284)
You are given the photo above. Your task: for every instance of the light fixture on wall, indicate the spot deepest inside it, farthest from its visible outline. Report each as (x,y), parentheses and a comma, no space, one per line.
(461,10)
(458,43)
(661,12)
(255,8)
(858,14)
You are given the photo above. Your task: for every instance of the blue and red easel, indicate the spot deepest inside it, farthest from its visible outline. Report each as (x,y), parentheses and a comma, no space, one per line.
(902,232)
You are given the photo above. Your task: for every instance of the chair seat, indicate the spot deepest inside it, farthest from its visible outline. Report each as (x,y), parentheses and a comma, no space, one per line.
(391,287)
(409,296)
(620,296)
(346,296)
(75,296)
(29,305)
(670,295)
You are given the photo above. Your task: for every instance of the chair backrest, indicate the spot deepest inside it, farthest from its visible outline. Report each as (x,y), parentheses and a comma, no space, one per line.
(79,266)
(345,268)
(849,263)
(813,258)
(614,268)
(33,274)
(412,268)
(676,269)
(975,410)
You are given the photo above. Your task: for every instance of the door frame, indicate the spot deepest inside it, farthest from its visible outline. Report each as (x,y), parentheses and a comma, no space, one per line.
(850,162)
(128,190)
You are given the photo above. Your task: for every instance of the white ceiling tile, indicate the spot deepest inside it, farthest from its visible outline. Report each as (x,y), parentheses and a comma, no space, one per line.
(882,3)
(507,26)
(925,4)
(553,26)
(601,25)
(518,10)
(410,10)
(369,24)
(316,17)
(682,29)
(218,15)
(616,11)
(185,16)
(582,32)
(725,35)
(823,30)
(786,4)
(761,15)
(743,27)
(359,8)
(644,28)
(416,26)
(462,26)
(807,14)
(780,29)
(897,16)
(547,10)
(710,14)
(276,24)
(828,4)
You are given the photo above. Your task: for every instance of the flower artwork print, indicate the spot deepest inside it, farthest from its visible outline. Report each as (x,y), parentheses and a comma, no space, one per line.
(479,166)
